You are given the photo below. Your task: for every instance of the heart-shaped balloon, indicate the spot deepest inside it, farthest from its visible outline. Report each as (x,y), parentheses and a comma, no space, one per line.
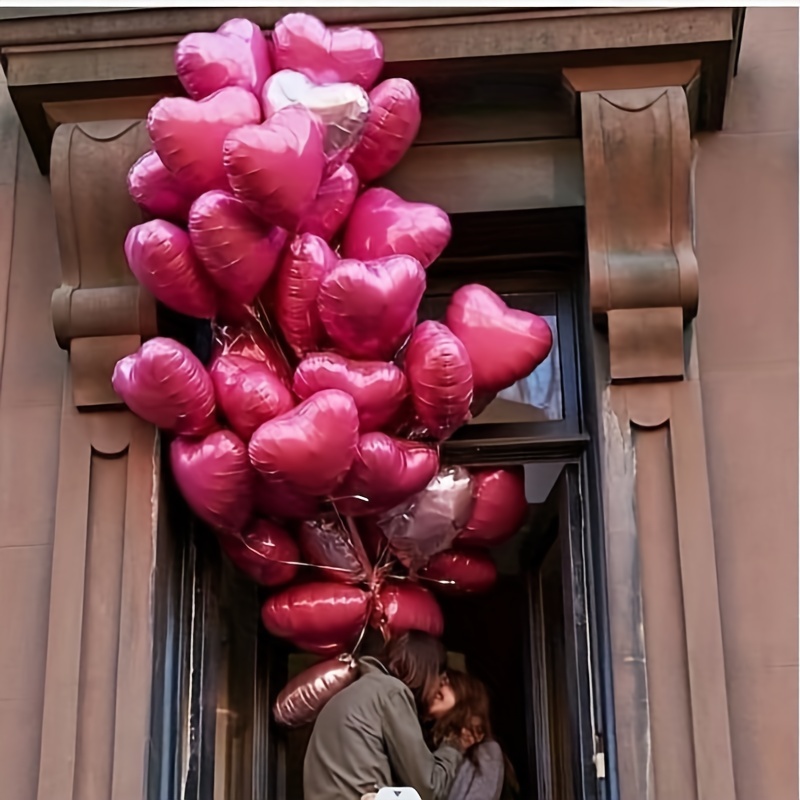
(369,309)
(342,108)
(264,552)
(403,607)
(215,478)
(461,571)
(383,224)
(276,168)
(311,446)
(307,262)
(317,613)
(392,125)
(235,55)
(281,500)
(248,393)
(504,344)
(237,250)
(386,472)
(188,135)
(327,544)
(156,190)
(378,387)
(165,384)
(303,43)
(440,376)
(160,256)
(500,507)
(333,203)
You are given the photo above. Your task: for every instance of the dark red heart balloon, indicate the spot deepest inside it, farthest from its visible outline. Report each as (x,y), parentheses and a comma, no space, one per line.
(281,500)
(500,507)
(405,607)
(264,552)
(460,571)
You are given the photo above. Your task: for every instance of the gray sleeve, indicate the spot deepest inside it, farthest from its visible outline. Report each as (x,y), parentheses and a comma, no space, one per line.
(431,774)
(484,781)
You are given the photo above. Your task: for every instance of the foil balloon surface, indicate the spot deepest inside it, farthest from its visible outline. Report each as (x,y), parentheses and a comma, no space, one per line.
(165,384)
(500,507)
(333,203)
(460,571)
(406,606)
(265,553)
(249,340)
(281,500)
(157,191)
(326,544)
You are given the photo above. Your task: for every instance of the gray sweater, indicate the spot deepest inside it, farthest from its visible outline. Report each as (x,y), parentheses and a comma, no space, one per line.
(367,737)
(481,782)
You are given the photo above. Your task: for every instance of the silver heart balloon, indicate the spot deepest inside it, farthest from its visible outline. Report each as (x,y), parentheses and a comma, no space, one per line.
(342,107)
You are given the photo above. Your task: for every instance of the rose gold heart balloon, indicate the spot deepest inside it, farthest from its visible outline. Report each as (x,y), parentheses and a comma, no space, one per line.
(311,446)
(264,552)
(379,388)
(276,168)
(238,251)
(386,472)
(328,545)
(157,191)
(383,224)
(326,55)
(236,55)
(333,203)
(504,344)
(369,309)
(160,255)
(215,478)
(188,135)
(460,571)
(403,607)
(500,507)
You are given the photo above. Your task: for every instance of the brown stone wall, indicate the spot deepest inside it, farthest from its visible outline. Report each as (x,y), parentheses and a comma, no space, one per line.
(747,221)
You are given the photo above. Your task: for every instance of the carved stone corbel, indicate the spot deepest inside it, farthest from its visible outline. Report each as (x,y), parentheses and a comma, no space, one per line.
(672,727)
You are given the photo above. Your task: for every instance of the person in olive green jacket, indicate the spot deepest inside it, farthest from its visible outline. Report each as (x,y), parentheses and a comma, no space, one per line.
(369,736)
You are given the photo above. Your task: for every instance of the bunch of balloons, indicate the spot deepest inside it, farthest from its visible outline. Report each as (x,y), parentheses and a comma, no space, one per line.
(309,443)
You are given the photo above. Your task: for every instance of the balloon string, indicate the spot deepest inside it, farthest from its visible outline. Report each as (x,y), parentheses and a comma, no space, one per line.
(297,563)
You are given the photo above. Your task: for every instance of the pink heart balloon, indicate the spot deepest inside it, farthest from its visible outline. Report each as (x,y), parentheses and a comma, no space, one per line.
(165,384)
(264,552)
(276,168)
(383,224)
(311,446)
(385,472)
(248,393)
(329,547)
(392,125)
(461,571)
(156,190)
(379,388)
(188,135)
(504,344)
(403,607)
(341,107)
(236,55)
(215,478)
(237,250)
(307,262)
(369,309)
(500,507)
(440,376)
(333,203)
(160,255)
(282,500)
(303,43)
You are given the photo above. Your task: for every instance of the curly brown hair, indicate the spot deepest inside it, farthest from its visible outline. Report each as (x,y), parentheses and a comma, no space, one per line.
(471,711)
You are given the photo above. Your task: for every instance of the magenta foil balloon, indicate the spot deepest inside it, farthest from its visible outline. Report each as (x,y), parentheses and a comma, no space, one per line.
(157,191)
(369,309)
(265,553)
(500,507)
(188,135)
(307,262)
(386,472)
(318,615)
(379,388)
(504,344)
(283,501)
(248,340)
(311,446)
(392,125)
(238,251)
(248,393)
(236,55)
(276,168)
(383,224)
(303,43)
(440,377)
(160,256)
(403,607)
(165,384)
(460,571)
(301,700)
(329,547)
(215,478)
(341,107)
(333,203)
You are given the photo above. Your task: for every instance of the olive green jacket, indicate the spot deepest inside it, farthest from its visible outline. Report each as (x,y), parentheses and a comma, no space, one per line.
(367,737)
